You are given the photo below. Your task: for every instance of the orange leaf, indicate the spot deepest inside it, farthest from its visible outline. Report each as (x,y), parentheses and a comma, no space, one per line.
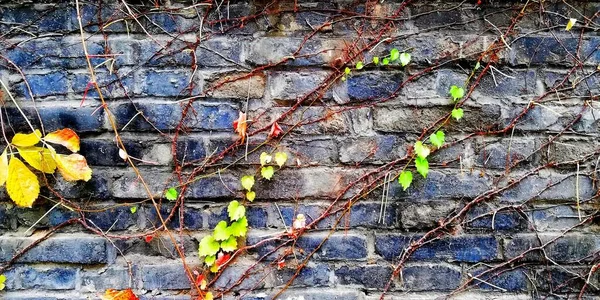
(119,295)
(73,167)
(275,130)
(65,137)
(241,126)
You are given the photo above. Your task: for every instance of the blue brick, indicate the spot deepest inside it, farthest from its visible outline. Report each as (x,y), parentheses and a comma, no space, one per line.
(101,279)
(117,218)
(73,56)
(167,116)
(561,279)
(522,83)
(346,246)
(63,249)
(90,14)
(111,85)
(56,117)
(444,185)
(165,210)
(312,275)
(40,53)
(481,217)
(193,218)
(212,187)
(372,85)
(26,277)
(257,217)
(189,150)
(106,153)
(509,280)
(543,50)
(50,84)
(233,273)
(52,18)
(175,53)
(96,188)
(369,276)
(467,248)
(430,277)
(314,151)
(168,83)
(229,52)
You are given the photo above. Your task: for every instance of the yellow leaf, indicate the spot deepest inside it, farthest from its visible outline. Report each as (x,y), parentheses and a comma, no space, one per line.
(73,167)
(22,185)
(65,137)
(26,140)
(111,294)
(570,24)
(208,296)
(39,158)
(3,166)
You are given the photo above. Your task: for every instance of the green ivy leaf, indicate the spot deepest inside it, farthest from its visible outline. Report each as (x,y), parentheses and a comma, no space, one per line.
(210,260)
(437,139)
(281,158)
(421,150)
(343,78)
(422,166)
(221,232)
(457,113)
(405,179)
(359,65)
(376,60)
(171,194)
(133,209)
(239,227)
(235,211)
(456,92)
(477,66)
(208,246)
(347,71)
(394,54)
(404,59)
(229,245)
(251,195)
(385,61)
(267,172)
(248,182)
(265,158)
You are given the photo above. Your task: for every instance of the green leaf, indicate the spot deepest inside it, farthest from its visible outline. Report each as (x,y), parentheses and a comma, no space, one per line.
(221,232)
(239,227)
(281,158)
(376,60)
(570,24)
(267,172)
(394,54)
(171,194)
(405,179)
(437,139)
(457,113)
(210,260)
(208,246)
(248,182)
(421,150)
(359,65)
(456,92)
(265,158)
(251,195)
(385,61)
(343,78)
(229,245)
(477,66)
(404,59)
(422,166)
(133,209)
(347,71)
(235,210)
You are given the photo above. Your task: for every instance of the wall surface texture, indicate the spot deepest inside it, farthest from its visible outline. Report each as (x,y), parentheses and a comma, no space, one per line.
(508,209)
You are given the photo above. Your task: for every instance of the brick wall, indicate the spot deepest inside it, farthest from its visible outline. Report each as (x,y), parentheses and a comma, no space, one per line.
(543,82)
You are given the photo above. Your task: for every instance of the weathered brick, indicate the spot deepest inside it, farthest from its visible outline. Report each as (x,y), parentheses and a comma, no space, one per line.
(32,278)
(425,215)
(513,280)
(165,276)
(490,217)
(313,275)
(369,276)
(292,86)
(375,149)
(101,279)
(57,117)
(430,277)
(466,248)
(549,186)
(168,83)
(267,50)
(567,248)
(444,185)
(251,87)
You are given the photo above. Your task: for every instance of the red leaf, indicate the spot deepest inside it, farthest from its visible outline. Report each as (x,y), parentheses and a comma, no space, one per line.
(275,130)
(148,238)
(222,259)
